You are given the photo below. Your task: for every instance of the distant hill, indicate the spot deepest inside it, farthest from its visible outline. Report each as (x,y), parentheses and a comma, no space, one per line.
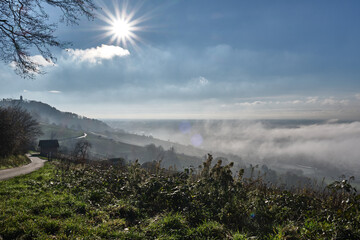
(107,142)
(46,114)
(104,147)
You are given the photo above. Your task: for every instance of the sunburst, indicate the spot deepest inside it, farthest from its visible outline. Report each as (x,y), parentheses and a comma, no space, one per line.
(122,24)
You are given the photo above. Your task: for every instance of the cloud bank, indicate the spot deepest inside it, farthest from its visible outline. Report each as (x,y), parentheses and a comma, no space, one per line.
(217,81)
(330,146)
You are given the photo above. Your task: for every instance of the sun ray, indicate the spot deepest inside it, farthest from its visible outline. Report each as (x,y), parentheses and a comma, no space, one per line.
(122,24)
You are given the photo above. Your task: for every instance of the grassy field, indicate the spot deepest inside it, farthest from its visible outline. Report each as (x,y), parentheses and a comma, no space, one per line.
(69,201)
(13,161)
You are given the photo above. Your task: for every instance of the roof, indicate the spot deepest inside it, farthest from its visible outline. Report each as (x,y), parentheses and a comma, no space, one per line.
(48,143)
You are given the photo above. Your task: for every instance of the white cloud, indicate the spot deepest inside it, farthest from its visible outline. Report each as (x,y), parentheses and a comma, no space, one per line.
(203,81)
(312,100)
(41,61)
(344,108)
(95,55)
(54,91)
(183,75)
(344,102)
(329,101)
(333,101)
(252,103)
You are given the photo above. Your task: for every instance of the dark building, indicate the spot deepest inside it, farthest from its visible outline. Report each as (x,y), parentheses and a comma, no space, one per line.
(48,147)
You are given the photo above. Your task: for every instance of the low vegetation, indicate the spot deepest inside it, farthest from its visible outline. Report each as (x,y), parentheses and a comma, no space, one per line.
(101,201)
(13,161)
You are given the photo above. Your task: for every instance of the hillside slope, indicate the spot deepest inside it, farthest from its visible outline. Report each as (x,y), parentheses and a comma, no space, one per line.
(46,114)
(107,142)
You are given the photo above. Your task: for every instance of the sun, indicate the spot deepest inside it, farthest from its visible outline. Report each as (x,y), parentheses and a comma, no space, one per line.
(120,29)
(122,24)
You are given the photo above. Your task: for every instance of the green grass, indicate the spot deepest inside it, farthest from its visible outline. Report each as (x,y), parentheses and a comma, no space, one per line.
(13,161)
(34,207)
(68,201)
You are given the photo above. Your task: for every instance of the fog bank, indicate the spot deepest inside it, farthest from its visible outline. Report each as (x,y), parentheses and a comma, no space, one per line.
(327,146)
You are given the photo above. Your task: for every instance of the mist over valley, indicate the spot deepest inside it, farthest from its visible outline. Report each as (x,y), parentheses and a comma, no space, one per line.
(327,147)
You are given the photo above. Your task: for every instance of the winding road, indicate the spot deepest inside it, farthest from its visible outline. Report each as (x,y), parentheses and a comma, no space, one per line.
(36,163)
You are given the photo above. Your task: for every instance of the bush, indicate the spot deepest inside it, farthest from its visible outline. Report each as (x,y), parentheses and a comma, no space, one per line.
(95,201)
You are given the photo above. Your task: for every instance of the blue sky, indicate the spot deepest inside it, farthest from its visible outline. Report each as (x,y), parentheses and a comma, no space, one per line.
(208,59)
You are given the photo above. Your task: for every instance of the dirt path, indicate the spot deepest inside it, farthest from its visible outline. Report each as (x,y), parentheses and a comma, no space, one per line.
(35,164)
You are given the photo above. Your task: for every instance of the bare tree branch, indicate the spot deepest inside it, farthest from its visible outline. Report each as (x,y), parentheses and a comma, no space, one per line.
(24,26)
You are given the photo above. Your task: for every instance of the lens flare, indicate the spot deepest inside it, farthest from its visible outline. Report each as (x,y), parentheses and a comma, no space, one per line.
(185,127)
(196,140)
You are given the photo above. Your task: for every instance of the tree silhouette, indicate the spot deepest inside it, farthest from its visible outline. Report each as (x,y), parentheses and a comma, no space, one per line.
(24,26)
(18,130)
(81,150)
